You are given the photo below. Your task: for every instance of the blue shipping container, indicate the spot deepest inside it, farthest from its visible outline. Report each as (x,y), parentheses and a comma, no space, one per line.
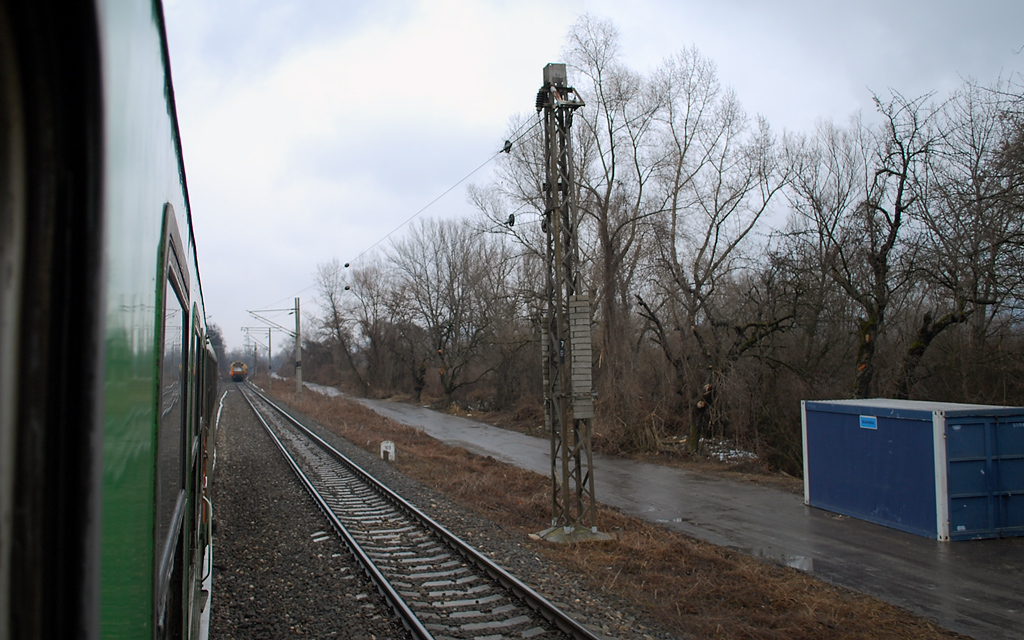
(938,469)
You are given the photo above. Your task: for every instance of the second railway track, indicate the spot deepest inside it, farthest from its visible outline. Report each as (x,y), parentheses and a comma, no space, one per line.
(439,585)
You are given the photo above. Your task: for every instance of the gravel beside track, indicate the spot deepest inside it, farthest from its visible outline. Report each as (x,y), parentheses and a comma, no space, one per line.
(271,580)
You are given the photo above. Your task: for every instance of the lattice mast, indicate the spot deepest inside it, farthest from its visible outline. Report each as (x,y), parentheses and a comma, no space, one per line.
(566,345)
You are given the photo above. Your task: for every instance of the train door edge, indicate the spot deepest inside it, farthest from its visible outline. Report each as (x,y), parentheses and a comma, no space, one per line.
(194,600)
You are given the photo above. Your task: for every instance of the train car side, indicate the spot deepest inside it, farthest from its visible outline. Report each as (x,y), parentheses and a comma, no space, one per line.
(107,380)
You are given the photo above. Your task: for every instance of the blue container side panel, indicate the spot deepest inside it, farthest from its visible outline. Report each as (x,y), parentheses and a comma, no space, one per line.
(985,459)
(1010,434)
(884,474)
(1014,506)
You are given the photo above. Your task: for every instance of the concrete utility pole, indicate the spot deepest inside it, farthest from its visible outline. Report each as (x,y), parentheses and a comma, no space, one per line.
(566,345)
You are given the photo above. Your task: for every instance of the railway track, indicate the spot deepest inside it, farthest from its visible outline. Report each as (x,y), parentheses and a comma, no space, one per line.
(437,584)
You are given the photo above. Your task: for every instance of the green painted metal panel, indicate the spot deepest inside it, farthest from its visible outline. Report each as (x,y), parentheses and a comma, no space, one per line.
(142,174)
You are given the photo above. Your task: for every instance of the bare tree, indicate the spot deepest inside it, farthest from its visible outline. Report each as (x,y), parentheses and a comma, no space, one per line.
(855,187)
(964,245)
(335,322)
(614,165)
(370,288)
(717,181)
(407,339)
(444,268)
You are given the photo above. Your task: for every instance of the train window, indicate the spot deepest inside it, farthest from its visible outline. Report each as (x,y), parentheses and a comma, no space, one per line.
(170,442)
(170,463)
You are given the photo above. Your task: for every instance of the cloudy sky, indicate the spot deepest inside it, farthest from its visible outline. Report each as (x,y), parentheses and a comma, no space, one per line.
(313,128)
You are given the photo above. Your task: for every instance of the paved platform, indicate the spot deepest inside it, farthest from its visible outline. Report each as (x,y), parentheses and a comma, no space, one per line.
(972,587)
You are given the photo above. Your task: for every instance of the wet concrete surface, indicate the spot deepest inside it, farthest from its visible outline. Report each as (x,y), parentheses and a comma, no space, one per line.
(971,587)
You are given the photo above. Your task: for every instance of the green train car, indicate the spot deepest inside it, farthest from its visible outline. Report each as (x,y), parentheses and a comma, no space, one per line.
(107,378)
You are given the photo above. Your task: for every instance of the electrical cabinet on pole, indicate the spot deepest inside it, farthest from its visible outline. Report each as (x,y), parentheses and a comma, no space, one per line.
(566,344)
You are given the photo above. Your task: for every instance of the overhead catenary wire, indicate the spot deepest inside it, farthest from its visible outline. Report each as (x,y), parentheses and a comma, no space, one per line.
(290,297)
(425,207)
(516,137)
(505,149)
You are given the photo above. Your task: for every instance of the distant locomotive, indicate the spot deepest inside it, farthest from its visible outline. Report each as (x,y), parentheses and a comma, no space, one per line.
(107,377)
(238,371)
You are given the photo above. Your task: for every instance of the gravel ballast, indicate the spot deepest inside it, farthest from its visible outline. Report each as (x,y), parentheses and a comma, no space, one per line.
(271,578)
(276,573)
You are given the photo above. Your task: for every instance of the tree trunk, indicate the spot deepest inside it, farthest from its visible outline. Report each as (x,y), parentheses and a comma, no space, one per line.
(363,387)
(926,333)
(701,417)
(868,333)
(419,380)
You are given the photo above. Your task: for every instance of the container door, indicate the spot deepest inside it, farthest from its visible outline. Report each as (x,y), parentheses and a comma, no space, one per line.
(986,476)
(1010,459)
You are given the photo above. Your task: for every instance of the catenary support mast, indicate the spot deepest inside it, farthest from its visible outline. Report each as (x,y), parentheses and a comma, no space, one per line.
(566,345)
(298,350)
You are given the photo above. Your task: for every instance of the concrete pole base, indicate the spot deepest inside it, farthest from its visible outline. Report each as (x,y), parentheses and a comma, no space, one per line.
(570,534)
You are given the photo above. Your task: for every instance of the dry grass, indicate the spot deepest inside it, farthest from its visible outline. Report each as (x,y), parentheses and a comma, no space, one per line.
(692,587)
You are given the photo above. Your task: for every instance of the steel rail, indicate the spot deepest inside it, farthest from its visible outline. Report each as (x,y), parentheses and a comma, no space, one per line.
(531,598)
(405,614)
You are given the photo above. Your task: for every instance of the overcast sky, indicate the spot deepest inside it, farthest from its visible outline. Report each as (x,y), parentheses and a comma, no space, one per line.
(312,128)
